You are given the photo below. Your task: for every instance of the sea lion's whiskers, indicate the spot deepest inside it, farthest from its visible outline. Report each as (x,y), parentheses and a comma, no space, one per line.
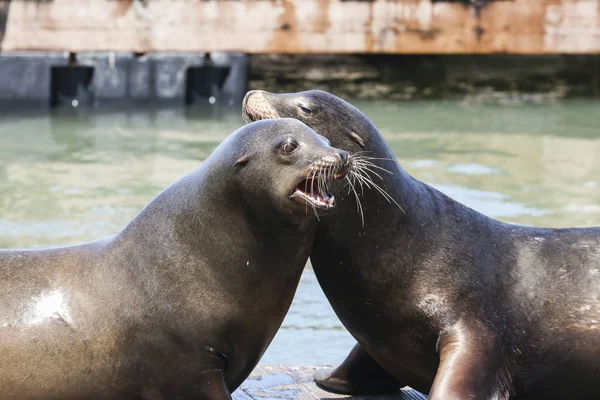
(326,179)
(361,170)
(360,182)
(330,172)
(306,191)
(358,203)
(361,155)
(315,211)
(348,184)
(378,158)
(370,164)
(366,159)
(315,175)
(368,180)
(364,163)
(364,171)
(360,165)
(318,176)
(322,183)
(312,184)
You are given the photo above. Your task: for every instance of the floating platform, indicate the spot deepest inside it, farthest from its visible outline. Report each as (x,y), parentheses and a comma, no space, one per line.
(276,382)
(87,79)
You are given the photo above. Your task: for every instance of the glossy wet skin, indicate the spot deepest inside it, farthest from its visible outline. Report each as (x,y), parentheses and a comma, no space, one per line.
(440,297)
(290,157)
(338,121)
(183,301)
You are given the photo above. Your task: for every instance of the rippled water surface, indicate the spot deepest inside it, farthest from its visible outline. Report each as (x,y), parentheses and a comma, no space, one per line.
(68,177)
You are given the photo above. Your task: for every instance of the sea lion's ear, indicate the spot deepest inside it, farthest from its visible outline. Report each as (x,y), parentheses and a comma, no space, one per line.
(241,162)
(357,139)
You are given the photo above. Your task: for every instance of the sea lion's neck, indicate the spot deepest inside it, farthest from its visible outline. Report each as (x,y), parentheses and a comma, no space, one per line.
(421,211)
(196,203)
(406,194)
(169,242)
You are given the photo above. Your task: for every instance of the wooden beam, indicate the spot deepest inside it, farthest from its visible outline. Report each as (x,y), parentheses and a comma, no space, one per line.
(304,26)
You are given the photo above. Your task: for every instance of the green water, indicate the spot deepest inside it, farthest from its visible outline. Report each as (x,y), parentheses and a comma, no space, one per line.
(69,177)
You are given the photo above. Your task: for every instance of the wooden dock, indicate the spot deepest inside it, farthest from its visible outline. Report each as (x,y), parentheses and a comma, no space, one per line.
(296,382)
(303,26)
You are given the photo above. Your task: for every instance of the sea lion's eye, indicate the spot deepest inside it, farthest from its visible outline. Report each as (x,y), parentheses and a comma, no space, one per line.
(289,147)
(305,110)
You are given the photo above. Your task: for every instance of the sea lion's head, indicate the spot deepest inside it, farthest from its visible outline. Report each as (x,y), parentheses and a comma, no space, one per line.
(343,124)
(285,163)
(336,119)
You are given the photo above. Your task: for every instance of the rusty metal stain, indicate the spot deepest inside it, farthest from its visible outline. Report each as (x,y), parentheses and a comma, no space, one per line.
(369,41)
(478,30)
(425,34)
(286,35)
(322,21)
(122,7)
(478,3)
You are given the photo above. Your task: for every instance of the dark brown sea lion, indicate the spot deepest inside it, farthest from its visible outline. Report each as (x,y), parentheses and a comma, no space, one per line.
(439,296)
(183,302)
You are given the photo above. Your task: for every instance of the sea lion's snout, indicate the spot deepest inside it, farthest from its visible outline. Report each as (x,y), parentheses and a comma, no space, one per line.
(245,114)
(314,188)
(256,107)
(246,98)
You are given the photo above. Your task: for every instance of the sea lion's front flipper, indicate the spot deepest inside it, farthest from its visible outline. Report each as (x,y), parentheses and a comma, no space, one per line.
(358,374)
(211,386)
(201,377)
(471,365)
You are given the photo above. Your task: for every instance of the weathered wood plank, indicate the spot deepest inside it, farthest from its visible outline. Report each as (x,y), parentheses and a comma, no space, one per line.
(304,26)
(296,382)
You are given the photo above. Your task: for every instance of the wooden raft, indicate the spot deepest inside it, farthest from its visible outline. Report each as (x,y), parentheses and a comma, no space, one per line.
(270,382)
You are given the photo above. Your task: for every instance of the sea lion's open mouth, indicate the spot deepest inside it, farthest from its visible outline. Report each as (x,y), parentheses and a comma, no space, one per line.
(314,189)
(314,193)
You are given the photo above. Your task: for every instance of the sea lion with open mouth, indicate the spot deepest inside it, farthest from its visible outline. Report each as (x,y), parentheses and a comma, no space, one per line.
(183,302)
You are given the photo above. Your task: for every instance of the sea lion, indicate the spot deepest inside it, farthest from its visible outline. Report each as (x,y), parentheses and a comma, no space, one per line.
(183,302)
(438,296)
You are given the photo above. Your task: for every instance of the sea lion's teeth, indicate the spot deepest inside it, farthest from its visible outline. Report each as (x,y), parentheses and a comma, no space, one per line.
(330,200)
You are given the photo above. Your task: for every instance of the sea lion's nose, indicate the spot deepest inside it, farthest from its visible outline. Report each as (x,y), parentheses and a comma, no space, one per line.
(247,96)
(344,156)
(343,171)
